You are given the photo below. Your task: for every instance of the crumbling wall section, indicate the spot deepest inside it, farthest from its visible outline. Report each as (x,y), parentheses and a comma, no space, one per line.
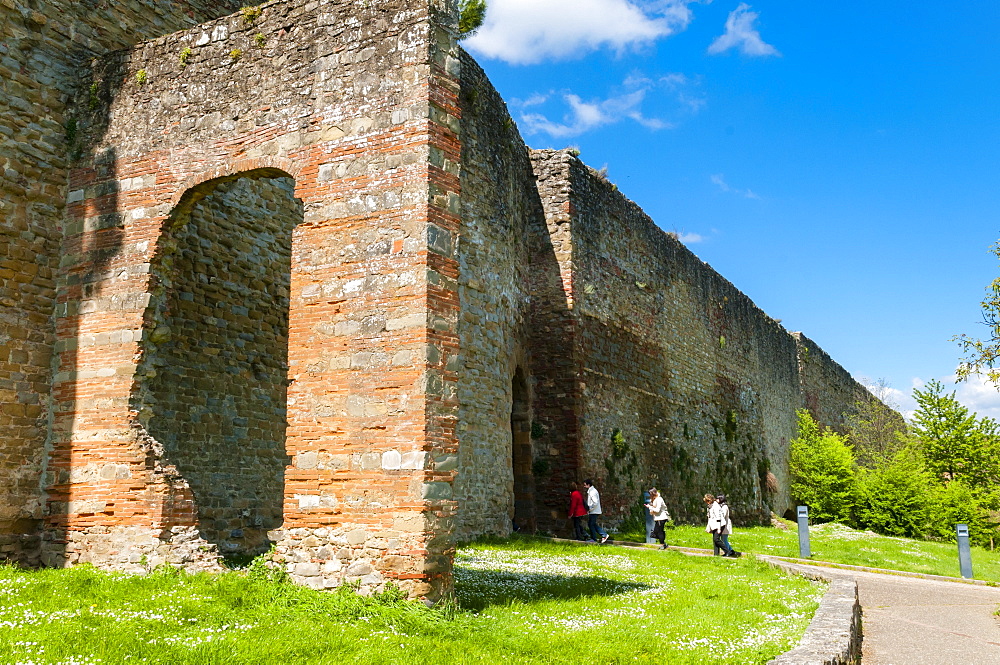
(42,48)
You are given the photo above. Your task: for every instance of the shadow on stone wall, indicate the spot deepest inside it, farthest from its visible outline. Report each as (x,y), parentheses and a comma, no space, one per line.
(93,236)
(211,386)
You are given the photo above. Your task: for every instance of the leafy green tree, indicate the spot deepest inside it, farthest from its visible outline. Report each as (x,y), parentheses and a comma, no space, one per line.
(896,497)
(982,357)
(956,503)
(822,471)
(874,427)
(955,442)
(471,15)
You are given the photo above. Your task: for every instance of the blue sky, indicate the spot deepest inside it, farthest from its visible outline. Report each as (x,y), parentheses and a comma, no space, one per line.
(836,161)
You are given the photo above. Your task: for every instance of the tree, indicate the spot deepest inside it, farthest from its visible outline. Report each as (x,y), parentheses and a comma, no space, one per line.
(956,443)
(981,357)
(896,496)
(471,14)
(822,469)
(874,427)
(956,503)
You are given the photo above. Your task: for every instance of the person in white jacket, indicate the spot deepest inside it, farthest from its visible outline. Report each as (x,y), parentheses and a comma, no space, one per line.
(593,511)
(715,523)
(718,522)
(658,509)
(726,524)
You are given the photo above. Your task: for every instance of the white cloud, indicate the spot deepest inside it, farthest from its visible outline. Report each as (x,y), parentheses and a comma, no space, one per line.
(529,31)
(977,394)
(586,115)
(740,33)
(690,238)
(579,115)
(721,183)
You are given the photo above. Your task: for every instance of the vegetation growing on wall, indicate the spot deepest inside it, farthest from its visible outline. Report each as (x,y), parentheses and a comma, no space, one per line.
(472,13)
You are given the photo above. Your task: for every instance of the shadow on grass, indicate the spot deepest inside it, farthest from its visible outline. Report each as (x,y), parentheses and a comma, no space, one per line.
(477,589)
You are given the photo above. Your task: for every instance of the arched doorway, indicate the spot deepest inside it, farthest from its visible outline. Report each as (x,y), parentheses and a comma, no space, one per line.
(521,455)
(211,386)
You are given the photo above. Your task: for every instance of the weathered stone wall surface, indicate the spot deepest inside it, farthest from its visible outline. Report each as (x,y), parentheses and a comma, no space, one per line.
(42,46)
(358,104)
(684,383)
(215,361)
(502,223)
(826,386)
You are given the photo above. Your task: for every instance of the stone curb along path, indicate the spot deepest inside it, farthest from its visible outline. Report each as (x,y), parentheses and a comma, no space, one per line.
(833,637)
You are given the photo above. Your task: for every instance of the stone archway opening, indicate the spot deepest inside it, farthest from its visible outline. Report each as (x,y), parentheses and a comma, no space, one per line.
(521,455)
(211,386)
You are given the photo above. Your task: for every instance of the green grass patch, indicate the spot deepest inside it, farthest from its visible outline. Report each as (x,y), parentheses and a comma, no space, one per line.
(516,601)
(841,544)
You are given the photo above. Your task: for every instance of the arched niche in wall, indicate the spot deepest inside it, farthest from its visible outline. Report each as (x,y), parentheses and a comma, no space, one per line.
(521,454)
(211,384)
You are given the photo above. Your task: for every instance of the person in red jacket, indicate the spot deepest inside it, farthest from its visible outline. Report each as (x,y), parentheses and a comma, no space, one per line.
(577,511)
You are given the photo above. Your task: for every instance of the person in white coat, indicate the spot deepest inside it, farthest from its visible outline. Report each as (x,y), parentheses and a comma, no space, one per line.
(594,511)
(658,509)
(716,523)
(726,523)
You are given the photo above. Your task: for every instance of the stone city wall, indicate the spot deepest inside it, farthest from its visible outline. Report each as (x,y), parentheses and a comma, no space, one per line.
(826,386)
(684,383)
(498,207)
(304,285)
(357,104)
(43,46)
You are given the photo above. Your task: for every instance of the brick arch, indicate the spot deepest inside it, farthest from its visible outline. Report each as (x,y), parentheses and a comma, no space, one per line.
(267,166)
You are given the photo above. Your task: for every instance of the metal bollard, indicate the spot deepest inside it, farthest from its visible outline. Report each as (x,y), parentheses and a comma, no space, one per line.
(964,553)
(803,515)
(649,519)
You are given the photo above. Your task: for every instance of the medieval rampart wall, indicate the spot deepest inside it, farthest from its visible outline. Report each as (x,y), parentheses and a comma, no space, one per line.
(517,388)
(826,386)
(685,383)
(304,272)
(42,48)
(498,208)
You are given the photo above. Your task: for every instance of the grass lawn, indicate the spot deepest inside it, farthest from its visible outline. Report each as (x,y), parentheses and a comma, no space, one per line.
(841,544)
(517,601)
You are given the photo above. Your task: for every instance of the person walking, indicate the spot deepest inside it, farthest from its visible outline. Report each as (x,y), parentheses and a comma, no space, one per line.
(577,511)
(726,524)
(593,511)
(714,525)
(658,509)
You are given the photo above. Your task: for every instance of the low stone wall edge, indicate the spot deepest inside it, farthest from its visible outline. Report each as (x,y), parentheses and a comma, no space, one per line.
(834,635)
